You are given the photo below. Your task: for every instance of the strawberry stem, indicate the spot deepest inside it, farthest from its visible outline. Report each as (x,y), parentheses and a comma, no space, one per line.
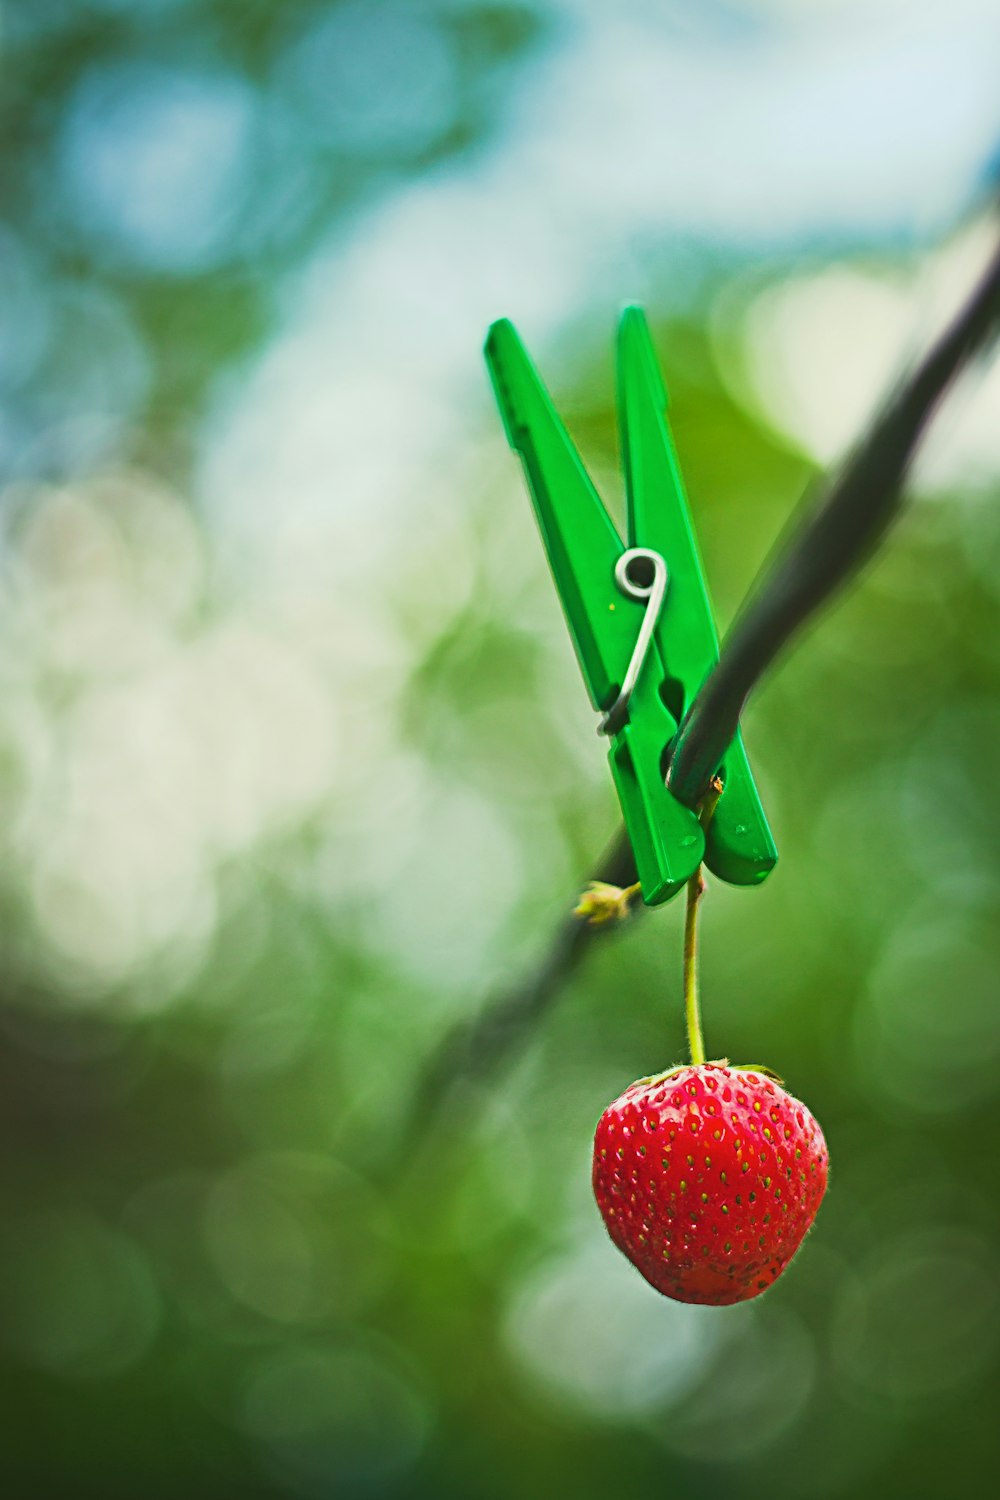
(692,1008)
(695,891)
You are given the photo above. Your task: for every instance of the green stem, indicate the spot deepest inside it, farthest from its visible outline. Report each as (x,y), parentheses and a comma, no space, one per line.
(692,1008)
(695,891)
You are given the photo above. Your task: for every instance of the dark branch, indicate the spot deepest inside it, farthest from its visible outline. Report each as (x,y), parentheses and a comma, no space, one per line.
(837,536)
(474,1047)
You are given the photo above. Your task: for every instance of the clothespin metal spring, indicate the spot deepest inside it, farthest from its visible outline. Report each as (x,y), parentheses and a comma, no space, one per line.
(638,582)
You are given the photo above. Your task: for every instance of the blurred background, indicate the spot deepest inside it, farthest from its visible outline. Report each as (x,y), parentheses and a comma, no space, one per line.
(296,768)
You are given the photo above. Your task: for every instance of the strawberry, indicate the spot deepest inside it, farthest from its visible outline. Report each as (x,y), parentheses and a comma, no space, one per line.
(708,1178)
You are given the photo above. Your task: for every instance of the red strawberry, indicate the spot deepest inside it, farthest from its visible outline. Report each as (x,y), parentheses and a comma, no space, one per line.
(708,1178)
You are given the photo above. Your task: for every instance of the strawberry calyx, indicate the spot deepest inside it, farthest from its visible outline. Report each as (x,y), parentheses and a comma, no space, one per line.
(715,1062)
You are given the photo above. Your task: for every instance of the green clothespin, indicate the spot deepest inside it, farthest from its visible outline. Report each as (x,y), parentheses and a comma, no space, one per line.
(639,616)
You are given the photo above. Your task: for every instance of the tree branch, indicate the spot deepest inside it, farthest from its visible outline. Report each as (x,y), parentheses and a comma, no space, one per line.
(476,1046)
(837,535)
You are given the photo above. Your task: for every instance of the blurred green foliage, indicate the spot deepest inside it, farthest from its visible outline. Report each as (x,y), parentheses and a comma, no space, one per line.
(260,852)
